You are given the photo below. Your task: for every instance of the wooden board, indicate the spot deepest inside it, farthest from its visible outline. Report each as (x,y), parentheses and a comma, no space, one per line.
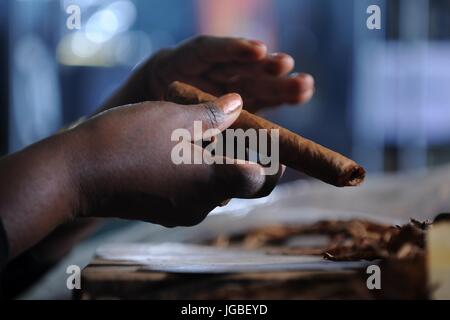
(182,271)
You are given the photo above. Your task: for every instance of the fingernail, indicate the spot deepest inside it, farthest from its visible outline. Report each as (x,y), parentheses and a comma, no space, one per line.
(283,169)
(307,78)
(278,55)
(256,43)
(255,50)
(301,83)
(230,103)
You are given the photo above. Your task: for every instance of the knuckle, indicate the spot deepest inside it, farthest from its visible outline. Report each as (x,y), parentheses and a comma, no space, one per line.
(201,39)
(147,104)
(161,56)
(154,104)
(213,115)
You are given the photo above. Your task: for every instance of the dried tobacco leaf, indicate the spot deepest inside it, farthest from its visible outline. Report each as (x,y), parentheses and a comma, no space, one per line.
(355,239)
(401,249)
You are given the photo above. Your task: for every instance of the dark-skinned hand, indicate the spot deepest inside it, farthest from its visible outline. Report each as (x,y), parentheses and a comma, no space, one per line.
(219,66)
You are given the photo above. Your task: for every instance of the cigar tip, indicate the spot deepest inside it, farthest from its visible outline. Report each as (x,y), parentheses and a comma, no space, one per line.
(356,176)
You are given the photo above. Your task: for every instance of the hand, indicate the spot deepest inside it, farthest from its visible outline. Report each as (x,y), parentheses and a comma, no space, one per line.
(219,66)
(127,171)
(118,164)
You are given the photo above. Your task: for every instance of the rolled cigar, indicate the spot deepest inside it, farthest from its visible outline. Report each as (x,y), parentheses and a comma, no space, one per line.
(296,152)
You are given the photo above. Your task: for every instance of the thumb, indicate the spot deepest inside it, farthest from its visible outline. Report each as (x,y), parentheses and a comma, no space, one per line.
(217,114)
(246,180)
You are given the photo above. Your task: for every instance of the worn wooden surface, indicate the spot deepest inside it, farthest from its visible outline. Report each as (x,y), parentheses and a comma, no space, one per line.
(177,271)
(130,282)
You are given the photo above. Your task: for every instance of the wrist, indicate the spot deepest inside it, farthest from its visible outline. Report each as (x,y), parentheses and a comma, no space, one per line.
(78,164)
(38,191)
(90,167)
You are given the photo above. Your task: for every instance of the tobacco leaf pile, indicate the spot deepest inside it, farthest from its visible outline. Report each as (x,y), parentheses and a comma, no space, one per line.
(400,251)
(347,240)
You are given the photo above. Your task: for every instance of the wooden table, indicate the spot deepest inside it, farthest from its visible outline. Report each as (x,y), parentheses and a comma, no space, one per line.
(109,278)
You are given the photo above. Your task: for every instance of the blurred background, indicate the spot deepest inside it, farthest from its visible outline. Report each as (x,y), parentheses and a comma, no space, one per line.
(382,95)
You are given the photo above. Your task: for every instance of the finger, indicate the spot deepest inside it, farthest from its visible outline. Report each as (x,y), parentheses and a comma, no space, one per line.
(287,89)
(203,84)
(271,91)
(197,175)
(267,102)
(215,181)
(248,180)
(218,114)
(197,55)
(277,64)
(280,64)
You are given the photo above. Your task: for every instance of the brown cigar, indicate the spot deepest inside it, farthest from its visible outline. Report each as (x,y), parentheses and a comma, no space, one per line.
(295,151)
